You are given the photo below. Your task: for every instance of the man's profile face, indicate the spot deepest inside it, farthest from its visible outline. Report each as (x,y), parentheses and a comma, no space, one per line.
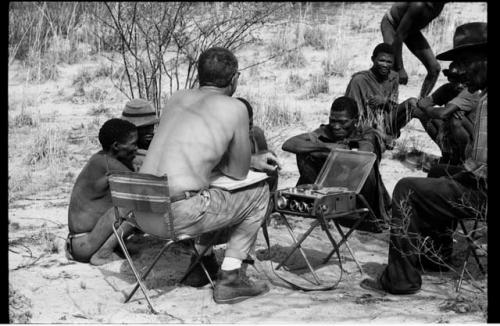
(341,124)
(383,63)
(127,149)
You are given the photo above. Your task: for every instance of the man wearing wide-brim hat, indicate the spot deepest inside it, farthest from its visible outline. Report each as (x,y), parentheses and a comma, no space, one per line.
(426,210)
(142,114)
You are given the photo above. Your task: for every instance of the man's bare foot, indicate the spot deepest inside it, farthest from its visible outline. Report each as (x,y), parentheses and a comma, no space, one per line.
(98,260)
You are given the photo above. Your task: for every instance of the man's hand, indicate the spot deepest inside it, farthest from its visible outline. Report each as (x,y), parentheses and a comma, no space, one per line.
(266,162)
(376,101)
(425,102)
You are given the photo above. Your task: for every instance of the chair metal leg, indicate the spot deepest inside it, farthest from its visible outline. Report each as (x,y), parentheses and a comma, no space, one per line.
(125,252)
(150,267)
(339,229)
(297,246)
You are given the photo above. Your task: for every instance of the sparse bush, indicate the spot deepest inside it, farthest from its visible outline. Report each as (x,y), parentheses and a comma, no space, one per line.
(319,85)
(272,112)
(25,118)
(336,63)
(103,71)
(48,146)
(315,37)
(294,59)
(18,182)
(49,242)
(96,94)
(294,81)
(99,110)
(83,77)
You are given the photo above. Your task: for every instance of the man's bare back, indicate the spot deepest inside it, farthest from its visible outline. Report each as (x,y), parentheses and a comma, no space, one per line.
(198,128)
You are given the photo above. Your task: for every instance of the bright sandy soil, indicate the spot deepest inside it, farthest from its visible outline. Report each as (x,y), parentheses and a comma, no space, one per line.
(62,291)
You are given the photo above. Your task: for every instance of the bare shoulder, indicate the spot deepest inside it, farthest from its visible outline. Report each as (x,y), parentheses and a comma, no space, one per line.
(226,105)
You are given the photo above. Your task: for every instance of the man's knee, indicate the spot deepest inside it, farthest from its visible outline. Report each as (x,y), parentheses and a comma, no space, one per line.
(403,189)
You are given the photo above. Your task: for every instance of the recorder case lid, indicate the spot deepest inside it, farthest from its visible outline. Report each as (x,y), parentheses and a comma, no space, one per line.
(346,168)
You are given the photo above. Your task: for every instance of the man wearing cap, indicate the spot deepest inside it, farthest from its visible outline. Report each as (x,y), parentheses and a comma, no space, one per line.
(313,148)
(425,210)
(142,114)
(202,130)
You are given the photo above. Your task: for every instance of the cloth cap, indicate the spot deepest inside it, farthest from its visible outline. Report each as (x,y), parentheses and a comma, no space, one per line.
(139,112)
(470,36)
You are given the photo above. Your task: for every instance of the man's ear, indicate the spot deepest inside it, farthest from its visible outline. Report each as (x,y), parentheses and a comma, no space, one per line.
(114,146)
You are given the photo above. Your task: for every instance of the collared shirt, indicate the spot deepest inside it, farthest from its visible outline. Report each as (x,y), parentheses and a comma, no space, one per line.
(477,153)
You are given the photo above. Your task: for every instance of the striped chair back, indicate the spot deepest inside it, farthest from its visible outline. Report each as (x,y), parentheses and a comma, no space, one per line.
(140,192)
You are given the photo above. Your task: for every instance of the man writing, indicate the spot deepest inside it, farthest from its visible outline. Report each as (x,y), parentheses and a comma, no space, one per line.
(313,148)
(202,130)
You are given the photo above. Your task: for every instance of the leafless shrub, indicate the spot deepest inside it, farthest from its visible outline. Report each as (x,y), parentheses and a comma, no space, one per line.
(315,36)
(295,81)
(48,146)
(99,110)
(164,40)
(25,118)
(319,85)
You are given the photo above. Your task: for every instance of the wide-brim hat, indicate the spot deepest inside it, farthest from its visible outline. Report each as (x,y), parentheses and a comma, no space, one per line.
(139,112)
(470,36)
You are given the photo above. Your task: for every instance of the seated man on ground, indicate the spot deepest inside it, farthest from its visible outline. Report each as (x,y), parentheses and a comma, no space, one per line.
(202,130)
(376,93)
(142,114)
(449,116)
(425,211)
(313,148)
(258,145)
(90,212)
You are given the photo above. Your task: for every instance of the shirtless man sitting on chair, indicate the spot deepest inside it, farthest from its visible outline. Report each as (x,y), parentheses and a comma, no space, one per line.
(202,130)
(90,212)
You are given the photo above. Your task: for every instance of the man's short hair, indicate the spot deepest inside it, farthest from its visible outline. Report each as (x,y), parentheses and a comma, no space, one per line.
(216,67)
(115,130)
(383,48)
(345,103)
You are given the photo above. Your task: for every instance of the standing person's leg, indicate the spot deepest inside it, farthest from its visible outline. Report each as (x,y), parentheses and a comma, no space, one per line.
(421,207)
(419,46)
(400,116)
(388,30)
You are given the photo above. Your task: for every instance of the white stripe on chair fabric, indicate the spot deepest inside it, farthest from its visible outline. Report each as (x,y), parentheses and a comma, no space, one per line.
(129,196)
(138,181)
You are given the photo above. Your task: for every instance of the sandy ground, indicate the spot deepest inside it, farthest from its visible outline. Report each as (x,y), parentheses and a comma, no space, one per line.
(47,288)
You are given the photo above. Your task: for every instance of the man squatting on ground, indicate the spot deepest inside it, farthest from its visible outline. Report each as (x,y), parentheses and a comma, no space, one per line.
(343,131)
(142,114)
(403,24)
(202,130)
(90,212)
(376,93)
(449,116)
(435,204)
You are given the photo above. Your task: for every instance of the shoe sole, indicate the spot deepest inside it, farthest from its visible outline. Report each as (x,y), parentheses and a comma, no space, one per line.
(239,299)
(368,286)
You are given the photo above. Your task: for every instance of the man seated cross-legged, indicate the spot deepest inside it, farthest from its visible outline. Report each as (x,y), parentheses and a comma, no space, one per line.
(313,148)
(90,213)
(202,130)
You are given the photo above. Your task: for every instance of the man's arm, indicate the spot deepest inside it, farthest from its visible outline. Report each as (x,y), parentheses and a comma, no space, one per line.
(237,158)
(304,143)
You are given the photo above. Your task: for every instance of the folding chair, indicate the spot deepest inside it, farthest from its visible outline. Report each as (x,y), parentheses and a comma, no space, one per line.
(471,237)
(146,200)
(332,197)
